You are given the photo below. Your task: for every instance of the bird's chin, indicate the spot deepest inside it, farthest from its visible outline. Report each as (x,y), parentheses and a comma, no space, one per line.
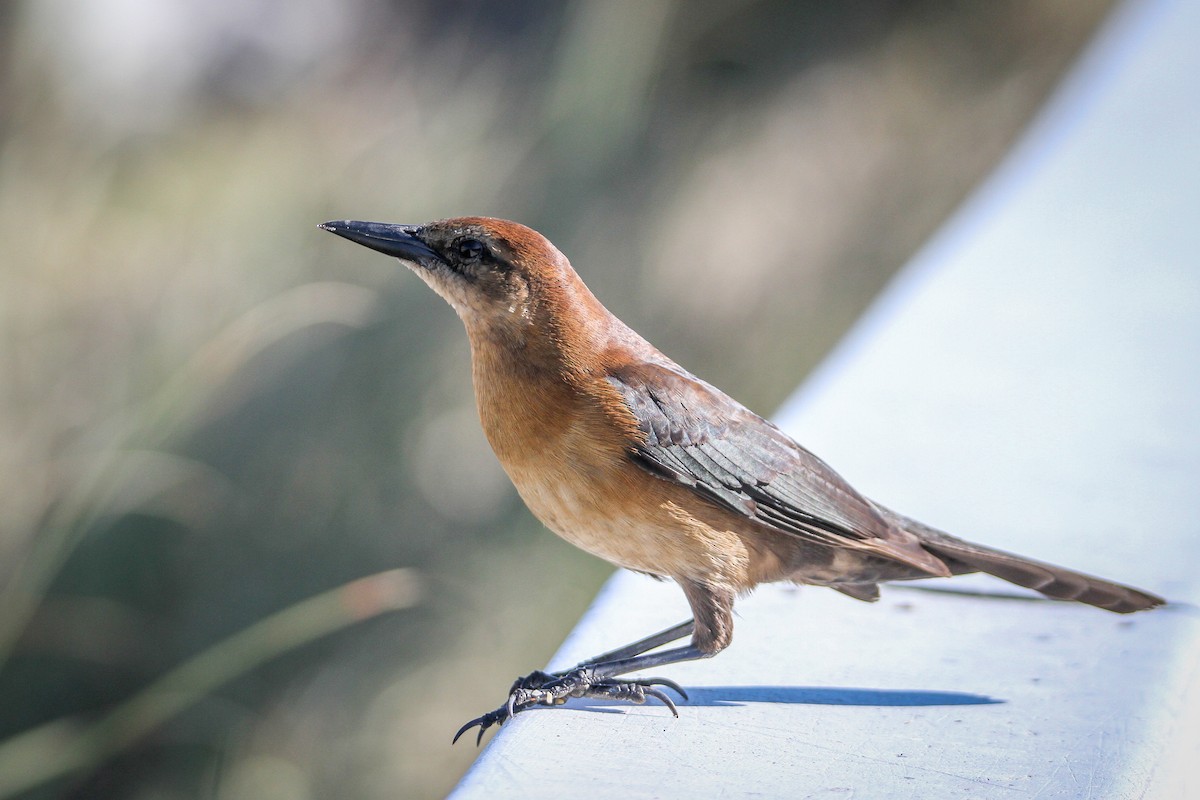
(430,274)
(445,283)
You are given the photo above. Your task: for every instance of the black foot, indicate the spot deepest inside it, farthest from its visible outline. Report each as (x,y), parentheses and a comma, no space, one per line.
(554,689)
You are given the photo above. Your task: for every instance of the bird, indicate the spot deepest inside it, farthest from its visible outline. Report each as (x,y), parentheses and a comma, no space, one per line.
(630,457)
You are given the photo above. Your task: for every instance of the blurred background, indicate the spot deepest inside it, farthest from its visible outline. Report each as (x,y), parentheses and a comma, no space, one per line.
(211,411)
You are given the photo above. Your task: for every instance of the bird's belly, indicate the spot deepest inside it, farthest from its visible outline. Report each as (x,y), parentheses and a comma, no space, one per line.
(578,512)
(634,524)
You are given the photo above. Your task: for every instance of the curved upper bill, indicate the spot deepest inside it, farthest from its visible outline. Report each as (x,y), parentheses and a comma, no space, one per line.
(399,241)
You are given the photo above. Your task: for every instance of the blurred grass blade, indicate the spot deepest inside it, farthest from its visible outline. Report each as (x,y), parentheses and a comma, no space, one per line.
(126,457)
(111,484)
(182,398)
(63,746)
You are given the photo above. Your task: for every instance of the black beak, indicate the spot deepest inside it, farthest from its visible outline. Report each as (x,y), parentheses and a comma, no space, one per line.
(399,241)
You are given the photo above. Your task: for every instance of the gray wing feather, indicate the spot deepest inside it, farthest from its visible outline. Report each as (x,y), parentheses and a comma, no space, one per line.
(698,436)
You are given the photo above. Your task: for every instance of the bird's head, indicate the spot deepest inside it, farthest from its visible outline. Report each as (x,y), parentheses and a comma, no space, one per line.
(501,277)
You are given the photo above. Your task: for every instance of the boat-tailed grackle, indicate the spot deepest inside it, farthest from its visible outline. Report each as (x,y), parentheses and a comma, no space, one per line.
(625,454)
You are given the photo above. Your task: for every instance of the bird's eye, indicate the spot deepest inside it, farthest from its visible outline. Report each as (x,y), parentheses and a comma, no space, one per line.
(470,249)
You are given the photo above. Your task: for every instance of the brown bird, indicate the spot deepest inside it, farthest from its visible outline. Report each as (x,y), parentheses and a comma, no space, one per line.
(625,454)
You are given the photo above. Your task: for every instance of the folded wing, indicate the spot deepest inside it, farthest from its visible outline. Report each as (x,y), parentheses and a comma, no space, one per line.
(697,436)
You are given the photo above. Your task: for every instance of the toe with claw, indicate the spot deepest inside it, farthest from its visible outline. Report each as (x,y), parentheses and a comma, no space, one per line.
(552,689)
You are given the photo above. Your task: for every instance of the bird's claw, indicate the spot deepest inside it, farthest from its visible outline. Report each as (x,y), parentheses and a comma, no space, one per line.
(553,689)
(484,722)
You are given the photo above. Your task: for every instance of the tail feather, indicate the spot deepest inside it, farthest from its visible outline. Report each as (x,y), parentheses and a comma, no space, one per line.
(1053,581)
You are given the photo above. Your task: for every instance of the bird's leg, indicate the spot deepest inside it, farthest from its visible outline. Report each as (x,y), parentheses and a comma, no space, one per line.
(711,628)
(539,678)
(592,678)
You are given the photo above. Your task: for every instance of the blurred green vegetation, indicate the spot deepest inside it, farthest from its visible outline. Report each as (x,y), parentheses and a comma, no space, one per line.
(211,411)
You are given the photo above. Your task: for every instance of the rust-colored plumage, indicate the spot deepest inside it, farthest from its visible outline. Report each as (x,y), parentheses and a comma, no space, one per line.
(627,455)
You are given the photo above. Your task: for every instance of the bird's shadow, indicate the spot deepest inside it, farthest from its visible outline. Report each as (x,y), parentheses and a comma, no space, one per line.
(811,696)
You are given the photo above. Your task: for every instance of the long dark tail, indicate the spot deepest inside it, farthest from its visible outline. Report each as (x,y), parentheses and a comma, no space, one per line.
(1056,582)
